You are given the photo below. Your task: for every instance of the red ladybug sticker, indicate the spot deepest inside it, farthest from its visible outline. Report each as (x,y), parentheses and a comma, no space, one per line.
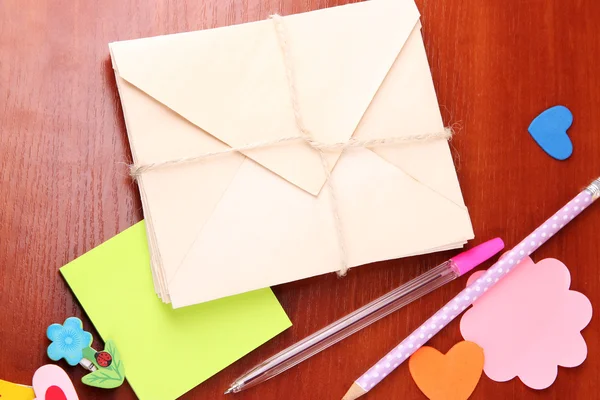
(103,358)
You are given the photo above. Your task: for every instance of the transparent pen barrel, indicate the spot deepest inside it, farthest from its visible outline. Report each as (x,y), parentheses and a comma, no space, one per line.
(352,323)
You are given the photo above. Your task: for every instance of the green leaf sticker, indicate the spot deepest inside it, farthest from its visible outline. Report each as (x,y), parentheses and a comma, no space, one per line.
(112,375)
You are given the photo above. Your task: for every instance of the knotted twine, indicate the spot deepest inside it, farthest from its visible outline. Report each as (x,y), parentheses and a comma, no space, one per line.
(305,136)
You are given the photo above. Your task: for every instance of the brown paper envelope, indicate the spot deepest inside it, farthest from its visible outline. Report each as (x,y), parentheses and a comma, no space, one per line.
(227,225)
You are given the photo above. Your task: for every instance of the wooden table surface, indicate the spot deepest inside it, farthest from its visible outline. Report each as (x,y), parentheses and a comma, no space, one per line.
(64,187)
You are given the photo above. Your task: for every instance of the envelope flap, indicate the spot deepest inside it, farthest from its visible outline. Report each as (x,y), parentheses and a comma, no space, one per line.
(231,81)
(416,111)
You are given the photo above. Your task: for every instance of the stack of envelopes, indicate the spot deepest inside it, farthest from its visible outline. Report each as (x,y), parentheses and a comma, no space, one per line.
(243,221)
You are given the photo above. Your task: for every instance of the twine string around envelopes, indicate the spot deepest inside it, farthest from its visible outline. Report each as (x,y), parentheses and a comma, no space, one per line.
(305,136)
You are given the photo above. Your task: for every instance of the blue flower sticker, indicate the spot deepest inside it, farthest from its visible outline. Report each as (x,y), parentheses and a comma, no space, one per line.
(68,341)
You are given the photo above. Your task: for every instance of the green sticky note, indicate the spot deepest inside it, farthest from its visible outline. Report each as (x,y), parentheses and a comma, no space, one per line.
(166,352)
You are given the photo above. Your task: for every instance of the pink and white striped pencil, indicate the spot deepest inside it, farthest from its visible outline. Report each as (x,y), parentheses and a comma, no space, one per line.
(466,297)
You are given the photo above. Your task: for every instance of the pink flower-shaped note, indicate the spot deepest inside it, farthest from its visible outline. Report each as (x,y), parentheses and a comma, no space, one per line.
(529,324)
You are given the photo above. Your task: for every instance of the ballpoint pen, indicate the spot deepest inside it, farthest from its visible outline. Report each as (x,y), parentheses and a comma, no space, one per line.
(466,297)
(368,314)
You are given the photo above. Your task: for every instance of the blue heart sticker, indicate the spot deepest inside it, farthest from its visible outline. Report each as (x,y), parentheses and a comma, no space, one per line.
(549,130)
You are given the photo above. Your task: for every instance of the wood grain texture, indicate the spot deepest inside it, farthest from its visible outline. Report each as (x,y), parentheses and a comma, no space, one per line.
(64,186)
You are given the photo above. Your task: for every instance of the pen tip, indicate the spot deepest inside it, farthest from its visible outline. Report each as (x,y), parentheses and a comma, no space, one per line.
(469,259)
(228,390)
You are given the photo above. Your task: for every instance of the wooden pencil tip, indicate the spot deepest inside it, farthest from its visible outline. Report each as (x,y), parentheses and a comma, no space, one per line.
(354,392)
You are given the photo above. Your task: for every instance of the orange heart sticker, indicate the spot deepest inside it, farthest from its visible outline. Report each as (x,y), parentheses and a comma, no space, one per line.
(453,376)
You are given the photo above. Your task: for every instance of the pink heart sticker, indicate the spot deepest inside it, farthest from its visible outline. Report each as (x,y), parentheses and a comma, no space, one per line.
(51,382)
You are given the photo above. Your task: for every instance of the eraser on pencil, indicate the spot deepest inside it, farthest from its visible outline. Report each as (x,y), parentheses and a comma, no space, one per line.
(469,259)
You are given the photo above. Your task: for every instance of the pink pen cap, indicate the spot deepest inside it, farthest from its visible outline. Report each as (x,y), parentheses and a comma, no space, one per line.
(471,258)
